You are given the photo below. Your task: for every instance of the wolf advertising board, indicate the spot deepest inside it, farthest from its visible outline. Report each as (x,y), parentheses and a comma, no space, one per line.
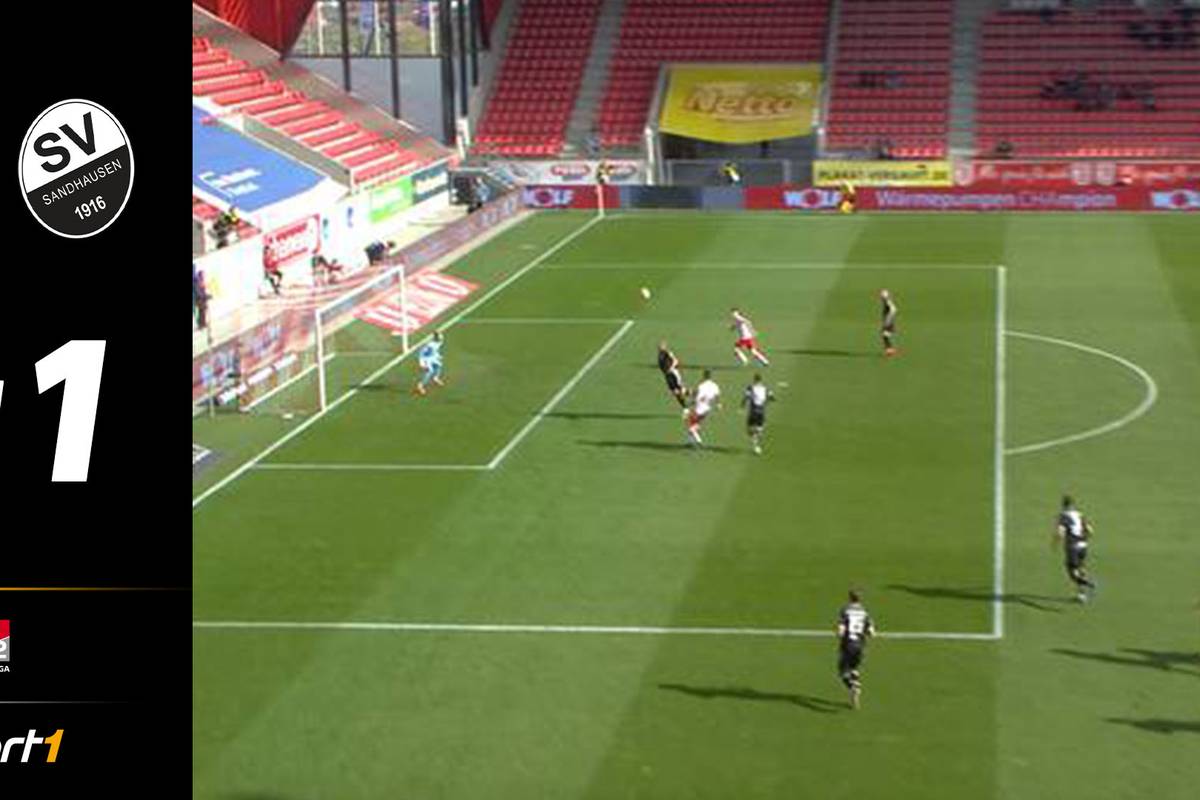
(569,196)
(740,103)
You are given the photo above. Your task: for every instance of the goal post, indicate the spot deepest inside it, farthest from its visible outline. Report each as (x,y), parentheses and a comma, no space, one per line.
(300,360)
(360,332)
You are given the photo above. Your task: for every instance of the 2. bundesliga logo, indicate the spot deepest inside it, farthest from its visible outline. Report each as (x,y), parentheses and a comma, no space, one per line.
(4,645)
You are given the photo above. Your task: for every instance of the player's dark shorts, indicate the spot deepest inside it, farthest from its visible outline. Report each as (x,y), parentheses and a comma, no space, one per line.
(889,327)
(674,384)
(850,656)
(757,418)
(1075,558)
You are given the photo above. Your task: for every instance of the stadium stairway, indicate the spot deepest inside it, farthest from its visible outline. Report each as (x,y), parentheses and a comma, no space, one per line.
(891,78)
(591,88)
(233,74)
(538,80)
(964,73)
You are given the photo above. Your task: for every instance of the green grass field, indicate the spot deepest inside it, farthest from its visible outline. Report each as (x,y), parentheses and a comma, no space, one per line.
(525,585)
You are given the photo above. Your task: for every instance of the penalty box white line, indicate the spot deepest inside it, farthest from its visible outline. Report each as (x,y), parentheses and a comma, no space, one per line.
(998,457)
(557,398)
(614,630)
(504,451)
(308,423)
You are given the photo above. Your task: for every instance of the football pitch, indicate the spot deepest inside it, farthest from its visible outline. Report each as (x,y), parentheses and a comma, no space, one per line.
(527,585)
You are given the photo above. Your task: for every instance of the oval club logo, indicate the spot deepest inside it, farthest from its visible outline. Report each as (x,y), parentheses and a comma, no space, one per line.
(76,168)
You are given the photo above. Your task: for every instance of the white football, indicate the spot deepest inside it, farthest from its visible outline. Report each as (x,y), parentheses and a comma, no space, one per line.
(645,293)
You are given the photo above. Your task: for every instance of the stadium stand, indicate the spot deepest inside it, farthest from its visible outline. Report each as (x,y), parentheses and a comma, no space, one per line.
(207,214)
(1114,82)
(891,78)
(535,90)
(232,73)
(654,32)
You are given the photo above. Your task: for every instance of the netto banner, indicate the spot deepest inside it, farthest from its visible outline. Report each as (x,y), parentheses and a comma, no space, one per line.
(740,103)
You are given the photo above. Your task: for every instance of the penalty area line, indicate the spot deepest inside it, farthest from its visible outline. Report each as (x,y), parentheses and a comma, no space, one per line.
(612,630)
(998,454)
(560,394)
(308,423)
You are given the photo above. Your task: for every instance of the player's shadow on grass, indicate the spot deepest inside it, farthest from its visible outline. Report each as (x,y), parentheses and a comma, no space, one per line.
(1040,602)
(818,704)
(665,446)
(1167,726)
(831,353)
(607,415)
(696,367)
(1162,660)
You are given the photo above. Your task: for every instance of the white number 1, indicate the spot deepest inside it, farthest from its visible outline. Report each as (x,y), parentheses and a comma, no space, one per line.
(77,363)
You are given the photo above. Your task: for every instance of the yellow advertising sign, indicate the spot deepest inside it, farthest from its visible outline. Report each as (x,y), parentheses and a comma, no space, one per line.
(883,173)
(740,103)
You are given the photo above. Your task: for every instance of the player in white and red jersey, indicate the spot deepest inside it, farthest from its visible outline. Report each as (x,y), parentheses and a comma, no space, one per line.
(706,397)
(745,339)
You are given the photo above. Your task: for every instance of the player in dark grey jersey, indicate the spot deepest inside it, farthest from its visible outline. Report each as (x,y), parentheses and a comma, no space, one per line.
(755,399)
(887,323)
(1075,533)
(668,364)
(853,630)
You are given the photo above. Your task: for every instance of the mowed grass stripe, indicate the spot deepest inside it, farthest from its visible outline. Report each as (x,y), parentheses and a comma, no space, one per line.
(876,475)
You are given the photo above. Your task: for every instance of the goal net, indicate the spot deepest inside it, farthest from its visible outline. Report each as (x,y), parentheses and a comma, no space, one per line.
(302,360)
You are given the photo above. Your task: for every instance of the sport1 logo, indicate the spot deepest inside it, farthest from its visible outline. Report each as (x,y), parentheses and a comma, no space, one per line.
(76,168)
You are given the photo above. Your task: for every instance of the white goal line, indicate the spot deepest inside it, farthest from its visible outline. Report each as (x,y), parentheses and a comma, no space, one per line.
(611,630)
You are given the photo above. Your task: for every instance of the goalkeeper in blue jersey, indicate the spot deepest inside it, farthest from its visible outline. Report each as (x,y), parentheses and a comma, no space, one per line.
(429,358)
